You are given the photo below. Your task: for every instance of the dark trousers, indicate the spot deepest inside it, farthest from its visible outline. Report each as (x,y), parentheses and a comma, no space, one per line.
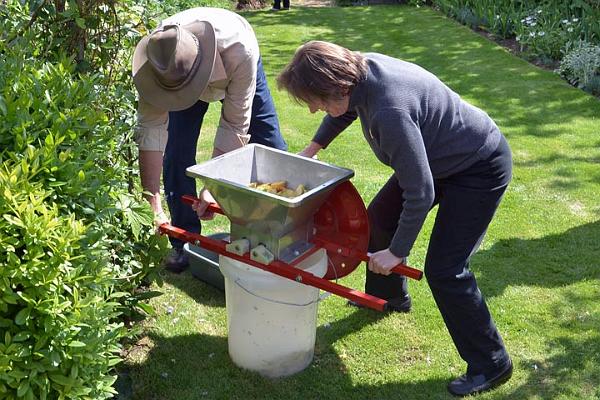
(277,4)
(180,153)
(466,204)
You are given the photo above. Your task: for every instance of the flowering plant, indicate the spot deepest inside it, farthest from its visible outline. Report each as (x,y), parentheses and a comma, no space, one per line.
(581,66)
(545,34)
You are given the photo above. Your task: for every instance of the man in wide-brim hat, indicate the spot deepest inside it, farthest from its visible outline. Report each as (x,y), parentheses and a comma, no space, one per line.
(193,58)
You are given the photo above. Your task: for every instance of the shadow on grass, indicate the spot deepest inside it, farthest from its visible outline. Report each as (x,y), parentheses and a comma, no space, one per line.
(551,261)
(197,366)
(198,290)
(566,170)
(572,357)
(218,378)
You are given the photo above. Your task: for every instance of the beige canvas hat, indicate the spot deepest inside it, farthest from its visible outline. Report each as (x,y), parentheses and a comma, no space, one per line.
(172,65)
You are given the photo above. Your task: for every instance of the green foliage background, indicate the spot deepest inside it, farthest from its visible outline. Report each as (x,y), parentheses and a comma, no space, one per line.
(77,240)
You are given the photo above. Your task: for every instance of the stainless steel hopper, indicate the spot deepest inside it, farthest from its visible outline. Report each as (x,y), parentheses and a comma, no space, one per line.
(282,225)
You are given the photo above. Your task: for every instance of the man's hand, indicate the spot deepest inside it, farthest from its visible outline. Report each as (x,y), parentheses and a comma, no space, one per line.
(156,204)
(150,169)
(160,218)
(311,150)
(383,261)
(200,206)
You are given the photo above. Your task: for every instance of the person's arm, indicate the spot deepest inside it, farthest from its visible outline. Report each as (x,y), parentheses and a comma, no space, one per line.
(311,150)
(151,138)
(236,112)
(150,171)
(400,139)
(331,127)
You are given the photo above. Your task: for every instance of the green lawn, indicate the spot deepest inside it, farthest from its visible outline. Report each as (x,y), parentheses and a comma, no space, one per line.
(539,266)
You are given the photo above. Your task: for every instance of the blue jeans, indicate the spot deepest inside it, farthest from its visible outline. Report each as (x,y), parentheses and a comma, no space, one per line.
(467,202)
(180,153)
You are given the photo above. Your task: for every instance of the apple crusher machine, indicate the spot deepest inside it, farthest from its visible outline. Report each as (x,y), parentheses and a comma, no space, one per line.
(275,233)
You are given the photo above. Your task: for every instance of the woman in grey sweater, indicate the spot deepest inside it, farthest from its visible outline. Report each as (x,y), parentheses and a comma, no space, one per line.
(442,151)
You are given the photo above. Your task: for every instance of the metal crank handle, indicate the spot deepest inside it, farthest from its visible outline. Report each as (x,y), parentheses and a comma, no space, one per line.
(212,207)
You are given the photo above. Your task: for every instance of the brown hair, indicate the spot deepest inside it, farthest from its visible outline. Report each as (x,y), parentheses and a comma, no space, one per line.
(322,70)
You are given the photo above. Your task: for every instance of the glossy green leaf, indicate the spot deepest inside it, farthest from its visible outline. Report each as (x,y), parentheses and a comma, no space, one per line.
(23,388)
(61,379)
(21,336)
(3,109)
(23,316)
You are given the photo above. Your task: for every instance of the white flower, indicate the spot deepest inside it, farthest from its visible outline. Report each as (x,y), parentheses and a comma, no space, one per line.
(533,24)
(531,34)
(541,33)
(565,21)
(575,19)
(518,38)
(497,17)
(569,29)
(539,11)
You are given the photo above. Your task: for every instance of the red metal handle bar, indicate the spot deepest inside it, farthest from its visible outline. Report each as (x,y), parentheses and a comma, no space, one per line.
(277,267)
(400,269)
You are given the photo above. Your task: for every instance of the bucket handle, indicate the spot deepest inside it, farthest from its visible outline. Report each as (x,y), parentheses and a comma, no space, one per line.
(322,296)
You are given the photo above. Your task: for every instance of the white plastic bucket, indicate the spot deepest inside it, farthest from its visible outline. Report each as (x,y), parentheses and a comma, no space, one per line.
(271,320)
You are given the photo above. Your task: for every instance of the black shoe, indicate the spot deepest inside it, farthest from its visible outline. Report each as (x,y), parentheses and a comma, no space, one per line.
(275,9)
(402,304)
(177,261)
(470,384)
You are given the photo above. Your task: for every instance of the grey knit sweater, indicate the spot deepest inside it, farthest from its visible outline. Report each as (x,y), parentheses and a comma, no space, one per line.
(420,128)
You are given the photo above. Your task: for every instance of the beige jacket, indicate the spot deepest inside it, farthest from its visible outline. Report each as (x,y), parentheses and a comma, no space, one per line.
(233,80)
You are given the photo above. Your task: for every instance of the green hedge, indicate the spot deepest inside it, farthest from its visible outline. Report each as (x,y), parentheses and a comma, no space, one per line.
(59,309)
(76,237)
